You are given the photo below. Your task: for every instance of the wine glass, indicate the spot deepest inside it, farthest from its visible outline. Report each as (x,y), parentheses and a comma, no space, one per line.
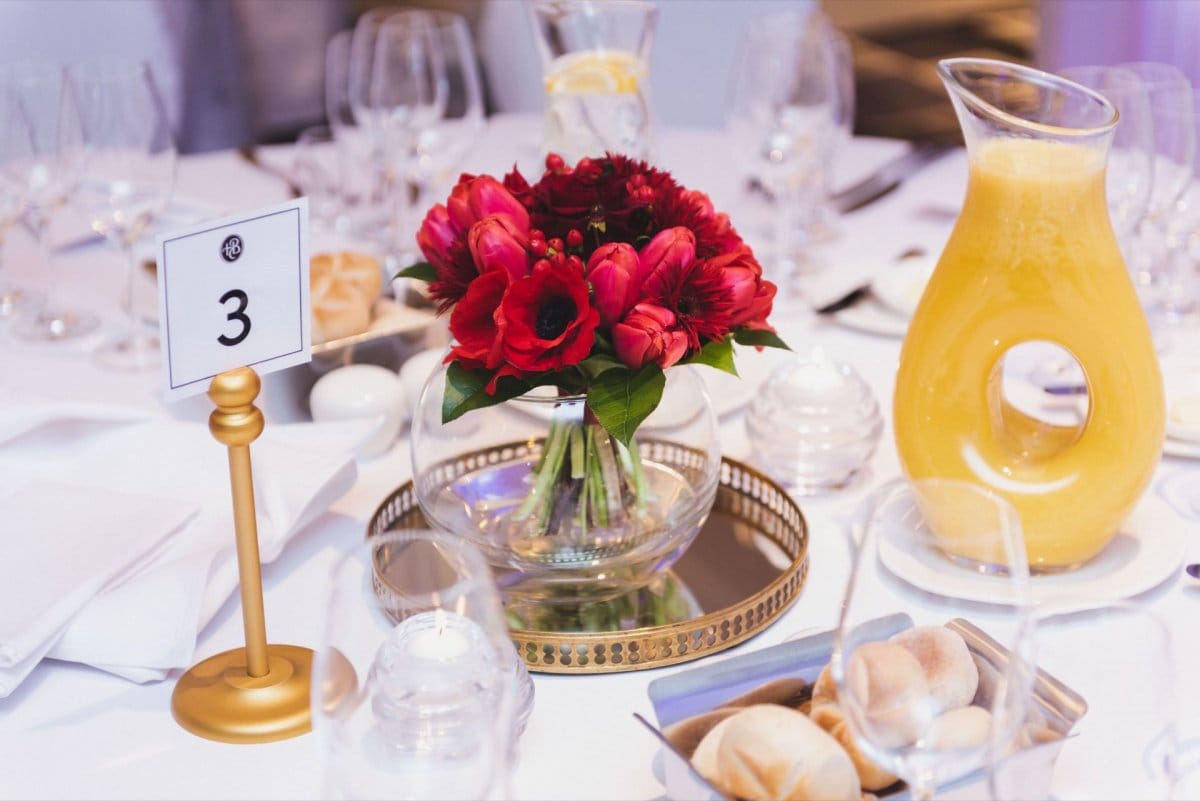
(1115,663)
(48,172)
(1170,97)
(821,224)
(397,88)
(16,144)
(443,143)
(126,180)
(417,689)
(910,720)
(781,121)
(362,207)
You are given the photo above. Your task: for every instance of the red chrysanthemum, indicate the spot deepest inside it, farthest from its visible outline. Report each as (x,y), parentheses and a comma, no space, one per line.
(696,293)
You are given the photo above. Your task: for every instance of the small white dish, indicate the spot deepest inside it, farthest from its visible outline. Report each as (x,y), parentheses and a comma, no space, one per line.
(362,392)
(416,371)
(869,316)
(900,287)
(1147,551)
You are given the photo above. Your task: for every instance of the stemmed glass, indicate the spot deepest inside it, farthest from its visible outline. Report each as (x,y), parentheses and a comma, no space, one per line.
(126,180)
(443,143)
(1116,660)
(901,712)
(1170,98)
(48,172)
(417,689)
(820,225)
(397,88)
(16,145)
(781,119)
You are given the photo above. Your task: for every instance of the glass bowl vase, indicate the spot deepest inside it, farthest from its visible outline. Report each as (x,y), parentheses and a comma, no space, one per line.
(564,513)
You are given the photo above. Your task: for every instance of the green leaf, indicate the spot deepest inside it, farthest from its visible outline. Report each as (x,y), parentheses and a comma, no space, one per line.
(621,399)
(422,271)
(598,364)
(718,354)
(467,390)
(758,337)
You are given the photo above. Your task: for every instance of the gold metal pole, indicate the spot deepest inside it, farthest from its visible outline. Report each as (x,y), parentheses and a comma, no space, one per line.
(258,693)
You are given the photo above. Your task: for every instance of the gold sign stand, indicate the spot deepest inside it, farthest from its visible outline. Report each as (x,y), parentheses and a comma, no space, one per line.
(259,693)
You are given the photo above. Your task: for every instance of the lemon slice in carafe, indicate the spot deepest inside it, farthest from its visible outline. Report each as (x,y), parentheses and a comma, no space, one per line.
(595,72)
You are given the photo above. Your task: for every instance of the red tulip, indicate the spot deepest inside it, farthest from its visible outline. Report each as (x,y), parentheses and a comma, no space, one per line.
(498,244)
(673,248)
(473,199)
(649,334)
(613,271)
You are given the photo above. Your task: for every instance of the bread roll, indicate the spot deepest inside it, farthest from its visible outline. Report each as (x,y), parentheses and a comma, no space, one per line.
(704,758)
(824,689)
(946,660)
(343,288)
(771,752)
(887,682)
(965,727)
(686,735)
(870,776)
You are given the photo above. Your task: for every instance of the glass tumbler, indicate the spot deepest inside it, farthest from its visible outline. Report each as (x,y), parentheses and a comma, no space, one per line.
(417,690)
(595,56)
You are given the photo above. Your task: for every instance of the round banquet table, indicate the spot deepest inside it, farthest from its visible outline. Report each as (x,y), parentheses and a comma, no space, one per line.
(71,731)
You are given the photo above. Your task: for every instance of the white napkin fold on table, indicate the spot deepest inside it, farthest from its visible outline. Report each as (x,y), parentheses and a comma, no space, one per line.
(144,622)
(64,545)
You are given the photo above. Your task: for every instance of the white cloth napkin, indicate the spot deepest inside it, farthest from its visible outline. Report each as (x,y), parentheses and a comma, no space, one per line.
(65,544)
(144,622)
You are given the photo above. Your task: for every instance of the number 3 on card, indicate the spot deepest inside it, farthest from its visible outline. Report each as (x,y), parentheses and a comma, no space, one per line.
(207,277)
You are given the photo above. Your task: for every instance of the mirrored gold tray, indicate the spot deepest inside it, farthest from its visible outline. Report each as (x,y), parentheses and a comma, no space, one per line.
(743,571)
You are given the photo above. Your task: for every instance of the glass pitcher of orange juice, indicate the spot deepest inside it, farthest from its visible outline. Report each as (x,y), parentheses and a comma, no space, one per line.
(1032,257)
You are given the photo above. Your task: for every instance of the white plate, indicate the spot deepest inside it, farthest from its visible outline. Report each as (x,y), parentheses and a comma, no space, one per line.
(1181,448)
(1148,549)
(900,286)
(872,317)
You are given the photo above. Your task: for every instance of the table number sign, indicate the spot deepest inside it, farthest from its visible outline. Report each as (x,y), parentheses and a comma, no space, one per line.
(233,296)
(234,293)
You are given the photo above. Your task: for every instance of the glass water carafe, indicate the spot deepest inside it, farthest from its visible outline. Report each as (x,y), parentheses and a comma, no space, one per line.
(595,56)
(1032,257)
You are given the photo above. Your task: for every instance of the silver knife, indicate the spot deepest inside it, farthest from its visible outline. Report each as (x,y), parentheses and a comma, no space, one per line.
(885,180)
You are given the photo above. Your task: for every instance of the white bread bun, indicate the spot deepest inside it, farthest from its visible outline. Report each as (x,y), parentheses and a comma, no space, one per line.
(965,727)
(824,689)
(887,682)
(343,288)
(946,660)
(704,758)
(769,752)
(870,776)
(686,735)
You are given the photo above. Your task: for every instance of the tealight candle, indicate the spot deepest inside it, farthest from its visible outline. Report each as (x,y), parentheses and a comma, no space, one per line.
(445,639)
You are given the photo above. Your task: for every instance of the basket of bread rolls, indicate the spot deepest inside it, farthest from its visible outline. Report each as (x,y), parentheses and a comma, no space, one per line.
(767,725)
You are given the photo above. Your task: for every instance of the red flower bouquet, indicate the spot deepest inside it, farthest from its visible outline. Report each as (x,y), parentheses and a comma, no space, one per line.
(595,279)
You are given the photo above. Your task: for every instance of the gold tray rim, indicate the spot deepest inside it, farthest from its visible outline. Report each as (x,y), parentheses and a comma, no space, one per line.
(759,610)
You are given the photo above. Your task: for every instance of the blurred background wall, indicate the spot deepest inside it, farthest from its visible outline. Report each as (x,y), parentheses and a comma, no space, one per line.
(237,72)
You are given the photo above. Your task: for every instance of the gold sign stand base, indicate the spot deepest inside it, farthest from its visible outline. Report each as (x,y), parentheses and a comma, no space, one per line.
(259,693)
(218,700)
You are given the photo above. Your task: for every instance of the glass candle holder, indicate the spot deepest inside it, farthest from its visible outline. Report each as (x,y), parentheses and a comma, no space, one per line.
(814,424)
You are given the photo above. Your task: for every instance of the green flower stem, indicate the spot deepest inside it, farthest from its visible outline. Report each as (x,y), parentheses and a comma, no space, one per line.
(583,479)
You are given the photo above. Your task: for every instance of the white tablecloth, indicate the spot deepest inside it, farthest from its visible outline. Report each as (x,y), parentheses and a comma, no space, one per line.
(74,732)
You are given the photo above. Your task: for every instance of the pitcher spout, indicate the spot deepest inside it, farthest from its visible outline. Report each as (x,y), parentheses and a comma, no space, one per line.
(996,98)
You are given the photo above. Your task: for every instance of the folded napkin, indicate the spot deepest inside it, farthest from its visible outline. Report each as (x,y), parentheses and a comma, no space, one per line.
(22,417)
(143,621)
(65,544)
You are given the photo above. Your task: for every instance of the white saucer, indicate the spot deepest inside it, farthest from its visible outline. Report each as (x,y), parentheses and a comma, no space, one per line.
(900,287)
(870,316)
(1148,550)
